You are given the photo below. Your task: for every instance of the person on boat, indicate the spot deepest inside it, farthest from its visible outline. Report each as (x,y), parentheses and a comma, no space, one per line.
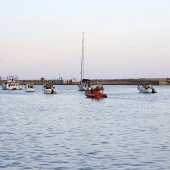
(92,90)
(88,85)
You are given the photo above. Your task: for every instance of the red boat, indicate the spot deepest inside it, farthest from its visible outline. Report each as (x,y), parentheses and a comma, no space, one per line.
(96,92)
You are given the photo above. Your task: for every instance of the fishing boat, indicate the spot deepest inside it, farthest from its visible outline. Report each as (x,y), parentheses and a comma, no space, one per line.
(84,83)
(96,92)
(12,83)
(146,88)
(50,89)
(30,87)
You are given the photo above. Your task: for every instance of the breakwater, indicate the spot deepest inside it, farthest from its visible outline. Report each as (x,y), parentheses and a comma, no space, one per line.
(42,81)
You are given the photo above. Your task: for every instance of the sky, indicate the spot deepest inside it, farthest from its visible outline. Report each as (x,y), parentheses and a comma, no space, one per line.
(122,38)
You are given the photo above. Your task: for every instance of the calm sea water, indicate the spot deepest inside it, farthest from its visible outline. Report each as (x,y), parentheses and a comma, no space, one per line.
(127,130)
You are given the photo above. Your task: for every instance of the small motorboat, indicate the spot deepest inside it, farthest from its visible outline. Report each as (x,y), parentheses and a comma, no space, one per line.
(11,84)
(146,88)
(30,87)
(96,92)
(50,89)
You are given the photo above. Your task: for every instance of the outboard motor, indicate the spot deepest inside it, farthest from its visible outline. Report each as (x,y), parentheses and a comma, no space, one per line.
(138,86)
(153,90)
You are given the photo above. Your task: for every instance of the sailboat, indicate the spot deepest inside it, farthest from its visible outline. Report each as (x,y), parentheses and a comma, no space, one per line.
(84,83)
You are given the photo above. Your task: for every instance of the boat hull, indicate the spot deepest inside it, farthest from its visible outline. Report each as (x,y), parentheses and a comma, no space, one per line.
(50,91)
(84,87)
(96,96)
(81,87)
(30,90)
(7,87)
(146,90)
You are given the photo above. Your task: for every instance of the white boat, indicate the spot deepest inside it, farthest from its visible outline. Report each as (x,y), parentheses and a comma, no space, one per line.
(30,87)
(146,88)
(11,84)
(50,89)
(84,83)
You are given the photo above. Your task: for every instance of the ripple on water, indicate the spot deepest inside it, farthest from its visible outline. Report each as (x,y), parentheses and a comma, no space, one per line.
(127,130)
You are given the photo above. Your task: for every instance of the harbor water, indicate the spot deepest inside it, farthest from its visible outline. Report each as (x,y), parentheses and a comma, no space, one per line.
(128,130)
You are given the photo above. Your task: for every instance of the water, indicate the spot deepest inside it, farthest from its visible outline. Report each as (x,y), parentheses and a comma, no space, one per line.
(127,130)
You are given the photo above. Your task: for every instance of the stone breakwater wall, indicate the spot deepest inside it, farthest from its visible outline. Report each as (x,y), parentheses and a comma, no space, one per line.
(158,81)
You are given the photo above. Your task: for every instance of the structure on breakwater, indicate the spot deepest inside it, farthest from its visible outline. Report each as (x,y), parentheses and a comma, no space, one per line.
(153,81)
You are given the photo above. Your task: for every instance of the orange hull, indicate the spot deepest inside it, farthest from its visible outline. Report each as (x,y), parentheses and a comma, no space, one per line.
(97,96)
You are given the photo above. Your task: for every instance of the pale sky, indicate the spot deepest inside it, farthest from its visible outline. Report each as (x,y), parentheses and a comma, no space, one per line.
(123,38)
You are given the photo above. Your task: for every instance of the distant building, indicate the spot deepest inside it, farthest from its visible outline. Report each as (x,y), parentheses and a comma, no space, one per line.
(75,80)
(42,79)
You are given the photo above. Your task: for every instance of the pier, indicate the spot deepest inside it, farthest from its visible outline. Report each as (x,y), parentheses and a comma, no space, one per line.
(153,81)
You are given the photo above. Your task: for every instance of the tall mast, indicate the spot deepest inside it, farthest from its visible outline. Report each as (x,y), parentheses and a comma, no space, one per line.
(82,59)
